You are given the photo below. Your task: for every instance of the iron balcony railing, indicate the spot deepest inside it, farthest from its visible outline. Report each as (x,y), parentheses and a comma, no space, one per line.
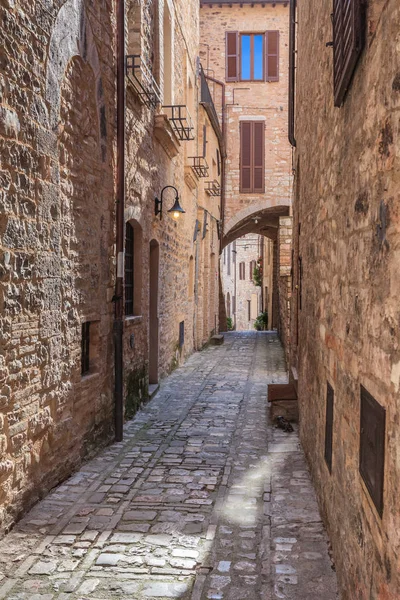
(213,188)
(180,120)
(199,166)
(143,81)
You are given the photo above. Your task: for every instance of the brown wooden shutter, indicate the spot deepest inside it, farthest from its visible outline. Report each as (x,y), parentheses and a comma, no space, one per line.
(245,157)
(272,56)
(232,55)
(258,160)
(348,42)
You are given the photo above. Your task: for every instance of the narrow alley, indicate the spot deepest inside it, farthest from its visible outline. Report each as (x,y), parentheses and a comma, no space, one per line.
(202,500)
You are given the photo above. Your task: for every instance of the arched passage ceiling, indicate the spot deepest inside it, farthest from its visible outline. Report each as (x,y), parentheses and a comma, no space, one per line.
(264,221)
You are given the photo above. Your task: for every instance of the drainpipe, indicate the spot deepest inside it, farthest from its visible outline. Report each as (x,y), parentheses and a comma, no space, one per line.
(119,283)
(292,70)
(223,154)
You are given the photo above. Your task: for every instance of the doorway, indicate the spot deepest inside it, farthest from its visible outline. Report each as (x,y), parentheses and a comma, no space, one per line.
(153,312)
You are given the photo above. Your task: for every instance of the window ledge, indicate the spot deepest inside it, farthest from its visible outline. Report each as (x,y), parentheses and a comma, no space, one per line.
(134,319)
(165,135)
(89,376)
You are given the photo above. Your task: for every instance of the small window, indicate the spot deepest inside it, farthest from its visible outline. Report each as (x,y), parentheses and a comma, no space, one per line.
(218,163)
(129,273)
(224,256)
(167,55)
(372,447)
(228,305)
(252,56)
(329,426)
(252,266)
(242,270)
(181,333)
(191,277)
(229,259)
(234,304)
(133,269)
(85,348)
(249,310)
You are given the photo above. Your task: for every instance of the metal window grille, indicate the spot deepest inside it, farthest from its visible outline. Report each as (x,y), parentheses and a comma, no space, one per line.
(372,447)
(181,121)
(85,348)
(199,166)
(142,80)
(129,274)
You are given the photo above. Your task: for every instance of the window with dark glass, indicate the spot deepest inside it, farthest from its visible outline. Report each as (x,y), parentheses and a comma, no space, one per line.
(129,272)
(85,348)
(372,447)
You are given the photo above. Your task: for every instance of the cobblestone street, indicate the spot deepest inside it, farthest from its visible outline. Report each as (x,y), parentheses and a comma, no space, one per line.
(202,500)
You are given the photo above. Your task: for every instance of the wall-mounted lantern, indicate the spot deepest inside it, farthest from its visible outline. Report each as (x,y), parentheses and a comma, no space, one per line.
(175,211)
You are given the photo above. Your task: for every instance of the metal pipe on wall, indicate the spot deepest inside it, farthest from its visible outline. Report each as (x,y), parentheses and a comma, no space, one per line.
(120,228)
(292,70)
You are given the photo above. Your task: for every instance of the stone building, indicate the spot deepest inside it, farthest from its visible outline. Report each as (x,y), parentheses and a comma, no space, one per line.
(243,295)
(244,50)
(345,309)
(75,277)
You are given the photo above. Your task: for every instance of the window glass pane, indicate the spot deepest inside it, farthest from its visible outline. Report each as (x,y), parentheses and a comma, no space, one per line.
(258,57)
(245,57)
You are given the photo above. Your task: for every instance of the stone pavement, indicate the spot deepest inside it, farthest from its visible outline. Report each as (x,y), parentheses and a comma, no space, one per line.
(202,500)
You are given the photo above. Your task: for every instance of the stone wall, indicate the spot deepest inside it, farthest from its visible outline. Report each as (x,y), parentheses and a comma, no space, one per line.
(284,245)
(56,242)
(347,216)
(57,229)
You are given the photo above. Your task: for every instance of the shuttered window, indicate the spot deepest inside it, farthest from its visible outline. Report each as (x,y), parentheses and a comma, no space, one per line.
(252,56)
(252,156)
(242,271)
(232,56)
(272,55)
(348,42)
(129,245)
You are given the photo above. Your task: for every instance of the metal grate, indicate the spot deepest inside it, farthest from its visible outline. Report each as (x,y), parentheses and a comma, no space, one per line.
(142,80)
(213,188)
(372,447)
(181,121)
(85,348)
(129,275)
(329,426)
(181,333)
(199,166)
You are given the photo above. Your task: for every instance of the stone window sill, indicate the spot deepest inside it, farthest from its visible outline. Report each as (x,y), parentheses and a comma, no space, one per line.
(134,320)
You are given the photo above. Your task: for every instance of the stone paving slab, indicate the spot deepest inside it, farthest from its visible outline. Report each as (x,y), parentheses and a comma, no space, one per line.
(202,500)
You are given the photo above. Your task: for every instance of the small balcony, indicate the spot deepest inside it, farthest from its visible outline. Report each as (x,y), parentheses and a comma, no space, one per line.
(213,188)
(180,120)
(199,166)
(142,80)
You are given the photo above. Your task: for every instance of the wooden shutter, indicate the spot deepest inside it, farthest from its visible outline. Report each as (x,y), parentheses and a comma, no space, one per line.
(232,55)
(272,56)
(245,157)
(252,156)
(258,156)
(348,42)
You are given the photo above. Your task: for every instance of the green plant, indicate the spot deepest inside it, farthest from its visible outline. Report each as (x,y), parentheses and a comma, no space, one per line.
(258,273)
(261,323)
(229,323)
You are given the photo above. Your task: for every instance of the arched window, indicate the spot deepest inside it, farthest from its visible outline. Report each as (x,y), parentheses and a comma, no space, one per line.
(133,269)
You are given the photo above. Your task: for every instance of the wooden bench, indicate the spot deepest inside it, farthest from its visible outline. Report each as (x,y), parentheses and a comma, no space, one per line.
(283,400)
